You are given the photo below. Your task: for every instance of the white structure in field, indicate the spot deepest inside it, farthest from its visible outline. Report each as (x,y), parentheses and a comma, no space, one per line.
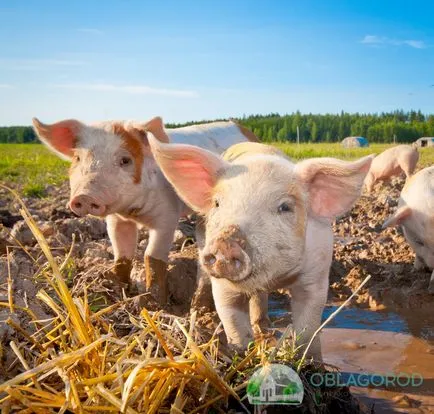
(355,142)
(425,142)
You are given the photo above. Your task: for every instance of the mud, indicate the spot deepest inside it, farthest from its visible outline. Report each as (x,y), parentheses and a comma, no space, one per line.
(361,248)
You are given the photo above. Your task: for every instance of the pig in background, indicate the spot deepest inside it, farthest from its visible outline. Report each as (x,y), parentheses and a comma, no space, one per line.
(415,213)
(267,225)
(113,175)
(391,162)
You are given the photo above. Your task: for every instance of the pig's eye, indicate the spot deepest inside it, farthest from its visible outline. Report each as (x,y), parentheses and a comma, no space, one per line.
(126,161)
(285,208)
(76,158)
(419,242)
(216,203)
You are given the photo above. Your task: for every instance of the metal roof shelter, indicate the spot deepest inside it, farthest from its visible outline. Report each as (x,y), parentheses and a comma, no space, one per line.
(354,142)
(425,142)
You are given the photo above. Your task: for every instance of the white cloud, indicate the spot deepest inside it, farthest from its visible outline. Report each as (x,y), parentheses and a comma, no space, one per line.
(371,40)
(131,89)
(418,44)
(5,86)
(374,40)
(90,30)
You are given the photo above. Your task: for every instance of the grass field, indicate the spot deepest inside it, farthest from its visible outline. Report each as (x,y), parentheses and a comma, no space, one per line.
(32,167)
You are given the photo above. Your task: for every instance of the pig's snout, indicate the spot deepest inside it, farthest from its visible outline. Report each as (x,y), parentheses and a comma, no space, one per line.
(84,204)
(226,257)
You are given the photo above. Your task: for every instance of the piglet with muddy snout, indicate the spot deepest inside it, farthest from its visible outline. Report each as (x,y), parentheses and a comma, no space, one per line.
(268,225)
(415,214)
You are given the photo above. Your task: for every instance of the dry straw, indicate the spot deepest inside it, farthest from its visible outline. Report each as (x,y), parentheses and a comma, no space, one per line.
(76,362)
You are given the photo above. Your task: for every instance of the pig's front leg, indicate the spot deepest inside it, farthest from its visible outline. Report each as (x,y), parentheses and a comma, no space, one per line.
(369,182)
(156,256)
(258,306)
(123,236)
(307,304)
(233,309)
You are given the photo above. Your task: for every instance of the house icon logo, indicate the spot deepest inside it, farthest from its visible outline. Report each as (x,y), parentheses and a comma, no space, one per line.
(275,384)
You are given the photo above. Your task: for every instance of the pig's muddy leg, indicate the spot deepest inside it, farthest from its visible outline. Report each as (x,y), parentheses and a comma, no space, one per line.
(233,310)
(307,304)
(123,235)
(258,305)
(156,276)
(156,256)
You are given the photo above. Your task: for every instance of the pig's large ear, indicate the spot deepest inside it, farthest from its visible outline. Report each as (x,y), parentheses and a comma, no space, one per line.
(155,126)
(191,170)
(398,218)
(334,185)
(60,137)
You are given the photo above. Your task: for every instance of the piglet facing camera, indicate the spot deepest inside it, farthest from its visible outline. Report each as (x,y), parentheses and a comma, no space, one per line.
(267,226)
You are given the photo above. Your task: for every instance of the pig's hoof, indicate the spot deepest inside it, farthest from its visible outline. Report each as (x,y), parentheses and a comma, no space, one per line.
(431,288)
(262,330)
(156,279)
(121,272)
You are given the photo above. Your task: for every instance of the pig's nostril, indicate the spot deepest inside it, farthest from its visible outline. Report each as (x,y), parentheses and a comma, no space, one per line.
(237,263)
(77,204)
(209,259)
(95,206)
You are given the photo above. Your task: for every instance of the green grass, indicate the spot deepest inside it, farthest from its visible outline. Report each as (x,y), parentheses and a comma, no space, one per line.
(32,167)
(335,150)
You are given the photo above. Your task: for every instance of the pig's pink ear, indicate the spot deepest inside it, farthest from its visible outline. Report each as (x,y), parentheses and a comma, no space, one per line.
(398,218)
(155,126)
(191,170)
(334,185)
(60,137)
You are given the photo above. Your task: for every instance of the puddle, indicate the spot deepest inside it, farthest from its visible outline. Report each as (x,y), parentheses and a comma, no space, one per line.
(379,344)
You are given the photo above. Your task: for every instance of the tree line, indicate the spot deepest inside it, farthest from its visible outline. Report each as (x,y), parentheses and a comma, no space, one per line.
(383,128)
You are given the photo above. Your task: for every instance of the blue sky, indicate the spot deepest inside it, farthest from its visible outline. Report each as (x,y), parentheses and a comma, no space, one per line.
(191,60)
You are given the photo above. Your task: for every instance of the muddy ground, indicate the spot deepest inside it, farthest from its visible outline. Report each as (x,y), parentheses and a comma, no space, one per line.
(361,248)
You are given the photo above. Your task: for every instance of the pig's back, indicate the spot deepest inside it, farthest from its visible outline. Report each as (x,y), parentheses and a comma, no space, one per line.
(391,155)
(249,148)
(390,160)
(215,136)
(418,192)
